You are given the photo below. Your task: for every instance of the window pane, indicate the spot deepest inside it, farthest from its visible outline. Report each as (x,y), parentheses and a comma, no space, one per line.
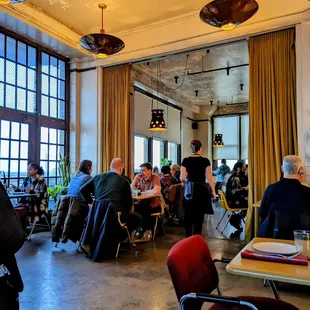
(5,129)
(4,149)
(53,87)
(61,90)
(61,70)
(61,150)
(61,109)
(45,63)
(14,168)
(1,69)
(52,152)
(51,181)
(15,131)
(44,165)
(10,48)
(21,76)
(10,97)
(52,169)
(44,84)
(24,150)
(158,152)
(244,136)
(14,149)
(10,72)
(31,102)
(24,132)
(2,38)
(53,135)
(44,105)
(53,66)
(44,151)
(4,165)
(53,107)
(23,164)
(32,57)
(44,134)
(61,136)
(21,99)
(1,95)
(140,151)
(173,152)
(21,53)
(31,79)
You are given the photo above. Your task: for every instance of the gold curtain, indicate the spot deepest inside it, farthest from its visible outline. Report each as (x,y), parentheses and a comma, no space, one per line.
(272,111)
(116,129)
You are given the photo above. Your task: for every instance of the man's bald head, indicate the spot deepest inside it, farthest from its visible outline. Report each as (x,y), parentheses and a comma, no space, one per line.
(117,165)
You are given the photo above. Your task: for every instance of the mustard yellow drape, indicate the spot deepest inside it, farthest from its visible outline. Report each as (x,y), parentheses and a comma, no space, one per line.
(116,129)
(272,111)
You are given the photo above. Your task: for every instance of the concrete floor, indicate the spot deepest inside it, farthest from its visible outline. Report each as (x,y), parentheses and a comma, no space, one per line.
(61,278)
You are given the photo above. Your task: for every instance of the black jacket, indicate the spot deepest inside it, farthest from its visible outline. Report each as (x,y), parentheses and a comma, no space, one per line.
(68,219)
(12,237)
(103,231)
(285,207)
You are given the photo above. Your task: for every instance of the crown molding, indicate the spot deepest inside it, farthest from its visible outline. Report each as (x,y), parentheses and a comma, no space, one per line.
(34,16)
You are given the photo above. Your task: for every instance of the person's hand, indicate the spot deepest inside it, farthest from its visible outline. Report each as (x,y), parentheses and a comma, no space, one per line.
(138,177)
(28,190)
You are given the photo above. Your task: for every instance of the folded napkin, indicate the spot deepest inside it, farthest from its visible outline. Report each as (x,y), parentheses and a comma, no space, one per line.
(298,260)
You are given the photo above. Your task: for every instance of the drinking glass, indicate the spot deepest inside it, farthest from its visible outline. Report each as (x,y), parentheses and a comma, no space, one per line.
(302,241)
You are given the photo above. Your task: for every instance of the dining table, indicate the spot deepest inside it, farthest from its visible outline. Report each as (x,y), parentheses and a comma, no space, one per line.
(18,195)
(270,271)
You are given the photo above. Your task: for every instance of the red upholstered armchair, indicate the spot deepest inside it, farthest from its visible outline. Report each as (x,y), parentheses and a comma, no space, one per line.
(194,277)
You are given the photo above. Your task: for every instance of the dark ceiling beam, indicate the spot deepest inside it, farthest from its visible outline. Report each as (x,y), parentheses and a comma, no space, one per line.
(218,69)
(238,103)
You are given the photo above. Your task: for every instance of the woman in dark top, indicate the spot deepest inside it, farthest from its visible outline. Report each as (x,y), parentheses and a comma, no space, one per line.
(196,171)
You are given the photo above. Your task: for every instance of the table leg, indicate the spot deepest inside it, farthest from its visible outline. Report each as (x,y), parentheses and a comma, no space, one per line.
(274,289)
(256,222)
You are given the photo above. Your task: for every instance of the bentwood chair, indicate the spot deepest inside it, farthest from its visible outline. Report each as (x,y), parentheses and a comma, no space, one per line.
(159,217)
(224,205)
(194,277)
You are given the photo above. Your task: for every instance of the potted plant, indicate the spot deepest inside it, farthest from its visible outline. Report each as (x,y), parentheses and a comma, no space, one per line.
(165,162)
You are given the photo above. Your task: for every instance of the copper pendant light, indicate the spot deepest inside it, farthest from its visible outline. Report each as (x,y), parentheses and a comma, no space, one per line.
(102,44)
(227,14)
(11,1)
(157,122)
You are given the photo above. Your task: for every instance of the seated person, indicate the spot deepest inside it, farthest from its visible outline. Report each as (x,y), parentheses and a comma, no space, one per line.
(155,171)
(112,186)
(77,181)
(237,194)
(176,172)
(149,184)
(34,184)
(166,181)
(285,204)
(220,173)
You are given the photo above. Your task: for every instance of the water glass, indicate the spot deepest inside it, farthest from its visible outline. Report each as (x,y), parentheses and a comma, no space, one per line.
(302,241)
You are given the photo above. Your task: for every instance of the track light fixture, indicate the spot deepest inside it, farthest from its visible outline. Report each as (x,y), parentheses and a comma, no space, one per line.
(197,92)
(176,79)
(241,87)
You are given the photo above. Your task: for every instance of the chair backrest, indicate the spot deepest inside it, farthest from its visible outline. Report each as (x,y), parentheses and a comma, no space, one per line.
(223,201)
(191,267)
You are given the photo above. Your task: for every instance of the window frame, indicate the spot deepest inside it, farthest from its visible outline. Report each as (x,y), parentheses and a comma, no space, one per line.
(36,120)
(146,150)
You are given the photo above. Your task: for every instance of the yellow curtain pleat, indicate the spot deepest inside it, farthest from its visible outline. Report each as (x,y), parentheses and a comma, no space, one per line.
(116,130)
(272,111)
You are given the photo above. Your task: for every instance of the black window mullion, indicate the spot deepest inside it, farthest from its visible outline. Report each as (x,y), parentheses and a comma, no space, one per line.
(16,55)
(9,159)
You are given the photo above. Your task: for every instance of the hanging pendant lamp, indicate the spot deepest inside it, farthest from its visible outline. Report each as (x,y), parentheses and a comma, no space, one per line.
(101,44)
(227,14)
(218,140)
(157,122)
(11,1)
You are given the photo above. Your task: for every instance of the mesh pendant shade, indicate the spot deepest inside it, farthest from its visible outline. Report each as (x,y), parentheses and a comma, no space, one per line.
(101,44)
(218,140)
(11,2)
(227,14)
(157,123)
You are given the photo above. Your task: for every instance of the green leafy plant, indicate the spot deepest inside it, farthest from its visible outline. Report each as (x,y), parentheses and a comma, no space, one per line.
(55,191)
(165,162)
(64,170)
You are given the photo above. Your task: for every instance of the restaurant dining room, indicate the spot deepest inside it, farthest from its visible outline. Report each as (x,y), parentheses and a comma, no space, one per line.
(154,155)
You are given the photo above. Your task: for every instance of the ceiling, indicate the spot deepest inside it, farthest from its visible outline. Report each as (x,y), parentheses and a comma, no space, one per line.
(215,86)
(84,16)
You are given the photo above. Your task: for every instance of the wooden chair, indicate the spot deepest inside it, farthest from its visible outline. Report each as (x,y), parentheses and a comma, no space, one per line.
(224,205)
(159,216)
(123,227)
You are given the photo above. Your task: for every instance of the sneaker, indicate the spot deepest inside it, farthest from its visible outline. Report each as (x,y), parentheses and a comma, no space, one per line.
(86,249)
(147,235)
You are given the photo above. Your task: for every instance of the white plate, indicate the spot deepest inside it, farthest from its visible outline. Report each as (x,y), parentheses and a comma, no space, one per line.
(275,248)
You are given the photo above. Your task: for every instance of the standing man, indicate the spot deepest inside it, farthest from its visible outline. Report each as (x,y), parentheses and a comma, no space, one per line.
(220,173)
(12,238)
